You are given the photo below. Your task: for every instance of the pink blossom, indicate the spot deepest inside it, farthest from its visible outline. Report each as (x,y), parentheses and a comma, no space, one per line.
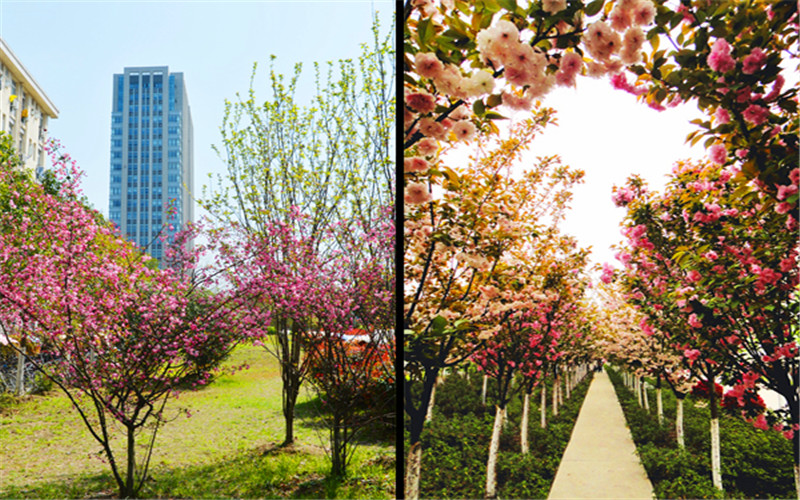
(415,164)
(711,255)
(754,61)
(516,102)
(691,354)
(571,63)
(794,176)
(718,154)
(464,130)
(756,114)
(554,6)
(644,12)
(694,321)
(760,422)
(776,89)
(721,62)
(416,193)
(722,115)
(428,65)
(786,191)
(427,147)
(783,207)
(620,18)
(420,102)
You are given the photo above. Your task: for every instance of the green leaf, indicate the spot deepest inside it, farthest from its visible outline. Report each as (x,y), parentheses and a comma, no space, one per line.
(494,100)
(478,108)
(593,7)
(491,115)
(509,5)
(438,324)
(424,31)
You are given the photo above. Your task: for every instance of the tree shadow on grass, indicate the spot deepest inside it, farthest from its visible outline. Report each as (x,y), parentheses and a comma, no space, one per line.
(266,471)
(311,414)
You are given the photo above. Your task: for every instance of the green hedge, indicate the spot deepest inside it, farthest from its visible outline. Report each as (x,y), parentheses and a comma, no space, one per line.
(456,443)
(755,463)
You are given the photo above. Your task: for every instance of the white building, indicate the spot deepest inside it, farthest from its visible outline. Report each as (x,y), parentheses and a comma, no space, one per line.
(24,109)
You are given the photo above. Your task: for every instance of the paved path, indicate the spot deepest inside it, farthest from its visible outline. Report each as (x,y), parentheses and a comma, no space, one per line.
(600,460)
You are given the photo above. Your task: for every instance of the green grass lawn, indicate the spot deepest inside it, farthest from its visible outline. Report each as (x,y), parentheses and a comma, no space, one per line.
(228,447)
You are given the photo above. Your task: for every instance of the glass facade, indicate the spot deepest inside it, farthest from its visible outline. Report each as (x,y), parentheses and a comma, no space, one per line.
(147,157)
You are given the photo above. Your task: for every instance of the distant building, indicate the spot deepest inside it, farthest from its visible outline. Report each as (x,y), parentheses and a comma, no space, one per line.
(151,155)
(24,109)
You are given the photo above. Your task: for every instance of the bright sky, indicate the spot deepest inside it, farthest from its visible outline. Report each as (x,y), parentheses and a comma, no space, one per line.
(609,135)
(73,48)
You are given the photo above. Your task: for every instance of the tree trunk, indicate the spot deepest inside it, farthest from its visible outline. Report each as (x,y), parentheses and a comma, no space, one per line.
(523,429)
(290,400)
(567,382)
(659,403)
(637,384)
(483,391)
(429,415)
(659,406)
(20,385)
(555,396)
(679,424)
(130,476)
(543,406)
(491,464)
(644,395)
(338,452)
(716,466)
(413,466)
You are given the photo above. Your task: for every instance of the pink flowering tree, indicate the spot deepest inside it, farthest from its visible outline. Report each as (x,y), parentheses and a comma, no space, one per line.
(124,334)
(451,249)
(712,259)
(733,62)
(354,378)
(316,298)
(529,302)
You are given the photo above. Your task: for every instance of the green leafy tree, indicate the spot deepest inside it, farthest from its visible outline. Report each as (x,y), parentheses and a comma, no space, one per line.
(330,160)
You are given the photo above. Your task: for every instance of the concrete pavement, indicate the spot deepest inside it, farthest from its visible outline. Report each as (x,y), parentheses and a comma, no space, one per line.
(600,460)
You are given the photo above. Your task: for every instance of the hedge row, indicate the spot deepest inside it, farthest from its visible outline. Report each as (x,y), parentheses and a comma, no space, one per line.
(755,463)
(456,443)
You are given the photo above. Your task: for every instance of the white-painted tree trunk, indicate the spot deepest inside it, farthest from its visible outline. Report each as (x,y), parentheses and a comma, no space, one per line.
(567,383)
(679,424)
(555,397)
(429,414)
(637,383)
(659,406)
(523,428)
(20,386)
(716,467)
(491,464)
(797,479)
(543,406)
(413,465)
(644,396)
(483,391)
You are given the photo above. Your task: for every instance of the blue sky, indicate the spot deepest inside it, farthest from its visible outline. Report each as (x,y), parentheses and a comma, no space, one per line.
(73,48)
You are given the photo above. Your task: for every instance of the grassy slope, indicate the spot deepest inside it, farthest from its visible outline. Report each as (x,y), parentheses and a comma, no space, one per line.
(226,448)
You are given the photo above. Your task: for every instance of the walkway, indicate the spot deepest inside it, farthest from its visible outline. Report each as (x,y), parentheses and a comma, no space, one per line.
(600,460)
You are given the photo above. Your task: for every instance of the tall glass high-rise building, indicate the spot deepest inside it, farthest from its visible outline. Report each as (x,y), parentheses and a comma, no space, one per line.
(151,155)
